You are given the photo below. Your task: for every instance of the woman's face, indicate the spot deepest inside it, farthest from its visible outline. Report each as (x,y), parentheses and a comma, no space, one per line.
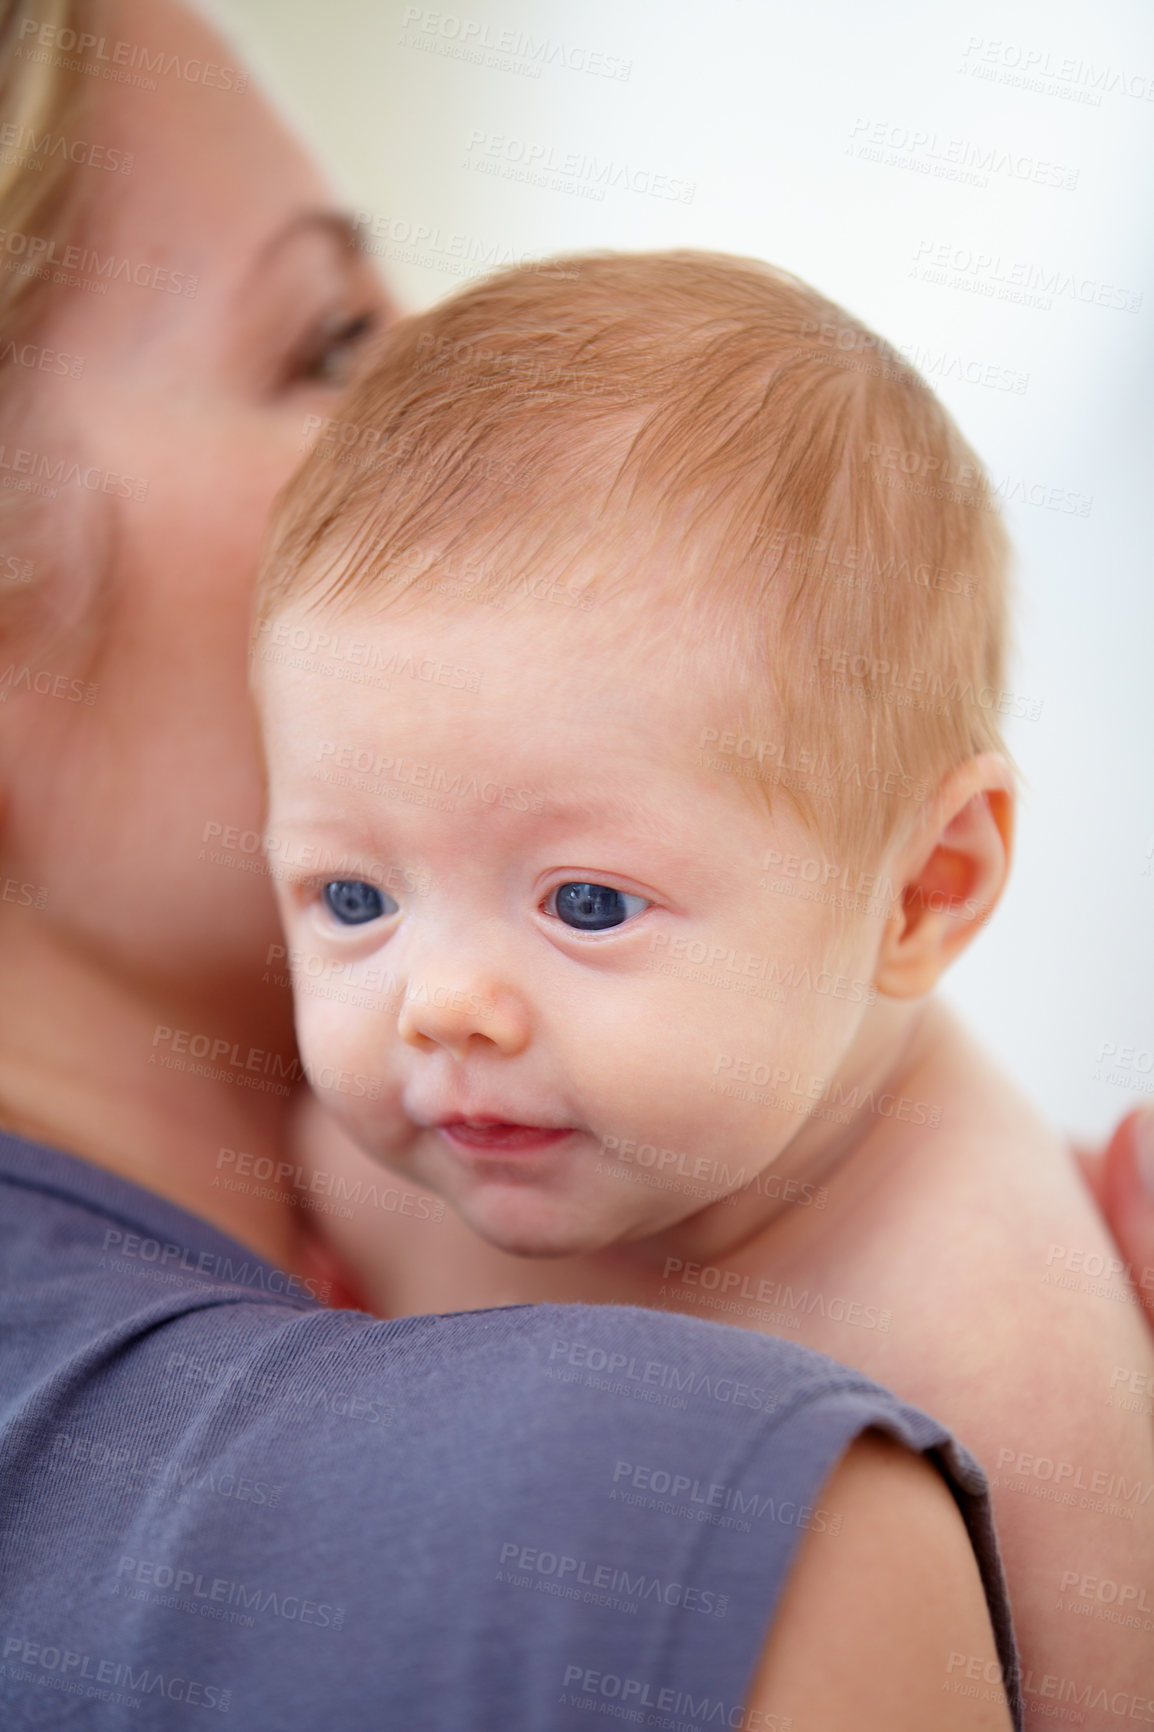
(123,807)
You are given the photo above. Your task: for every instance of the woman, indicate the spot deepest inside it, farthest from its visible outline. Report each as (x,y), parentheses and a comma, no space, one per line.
(179,299)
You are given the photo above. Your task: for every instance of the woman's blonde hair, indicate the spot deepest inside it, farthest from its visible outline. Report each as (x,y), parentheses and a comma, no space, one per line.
(44,92)
(41,91)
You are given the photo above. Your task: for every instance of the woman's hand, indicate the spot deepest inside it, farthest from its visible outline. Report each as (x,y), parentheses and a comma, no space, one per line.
(1122,1179)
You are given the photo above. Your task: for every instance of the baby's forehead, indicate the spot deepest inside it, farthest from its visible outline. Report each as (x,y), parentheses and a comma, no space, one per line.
(434,713)
(541,682)
(599,621)
(527,765)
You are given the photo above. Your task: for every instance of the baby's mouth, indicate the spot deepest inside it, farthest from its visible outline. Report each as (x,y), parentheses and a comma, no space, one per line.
(501,1134)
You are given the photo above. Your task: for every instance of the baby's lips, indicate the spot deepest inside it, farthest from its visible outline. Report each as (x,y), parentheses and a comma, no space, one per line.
(506,1134)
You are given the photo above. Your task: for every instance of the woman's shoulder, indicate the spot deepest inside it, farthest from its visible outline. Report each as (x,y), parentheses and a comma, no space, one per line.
(889,1629)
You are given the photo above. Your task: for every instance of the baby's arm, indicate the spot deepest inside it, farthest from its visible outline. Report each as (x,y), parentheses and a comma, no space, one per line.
(1034,1392)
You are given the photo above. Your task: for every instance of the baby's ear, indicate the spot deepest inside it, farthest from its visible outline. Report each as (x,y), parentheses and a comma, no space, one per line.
(951,872)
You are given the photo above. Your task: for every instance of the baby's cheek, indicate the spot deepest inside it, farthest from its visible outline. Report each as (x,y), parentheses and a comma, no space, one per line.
(353,1090)
(654,1066)
(330,1045)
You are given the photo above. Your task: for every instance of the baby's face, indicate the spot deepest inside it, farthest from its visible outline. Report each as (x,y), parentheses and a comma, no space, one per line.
(538,966)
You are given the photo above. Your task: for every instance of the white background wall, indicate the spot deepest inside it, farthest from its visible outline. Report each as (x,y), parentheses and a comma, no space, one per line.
(757,111)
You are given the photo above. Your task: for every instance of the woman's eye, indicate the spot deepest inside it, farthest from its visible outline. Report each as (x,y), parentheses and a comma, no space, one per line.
(329,358)
(353,902)
(593,907)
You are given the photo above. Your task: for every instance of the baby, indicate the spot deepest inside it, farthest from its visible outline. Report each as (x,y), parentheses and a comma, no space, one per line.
(630,659)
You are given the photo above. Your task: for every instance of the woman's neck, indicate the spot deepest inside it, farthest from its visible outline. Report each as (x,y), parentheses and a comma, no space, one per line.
(154,1091)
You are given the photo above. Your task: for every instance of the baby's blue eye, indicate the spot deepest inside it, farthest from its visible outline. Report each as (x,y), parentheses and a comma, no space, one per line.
(353,902)
(593,907)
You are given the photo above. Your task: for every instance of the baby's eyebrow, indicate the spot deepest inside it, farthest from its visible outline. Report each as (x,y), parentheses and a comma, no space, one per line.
(621,817)
(347,832)
(520,800)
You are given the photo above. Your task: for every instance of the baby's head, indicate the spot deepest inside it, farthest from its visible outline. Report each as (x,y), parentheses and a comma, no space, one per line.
(630,661)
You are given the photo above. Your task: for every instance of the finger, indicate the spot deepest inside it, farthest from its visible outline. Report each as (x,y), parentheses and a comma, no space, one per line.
(1126,1194)
(1091,1162)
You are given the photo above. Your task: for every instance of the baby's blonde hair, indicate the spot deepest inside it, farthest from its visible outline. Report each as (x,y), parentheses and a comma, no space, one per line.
(807,497)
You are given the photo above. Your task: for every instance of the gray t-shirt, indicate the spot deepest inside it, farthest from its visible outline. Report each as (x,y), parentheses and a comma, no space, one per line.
(218,1497)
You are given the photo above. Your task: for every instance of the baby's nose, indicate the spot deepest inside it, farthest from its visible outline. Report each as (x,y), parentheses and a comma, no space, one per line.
(453,1016)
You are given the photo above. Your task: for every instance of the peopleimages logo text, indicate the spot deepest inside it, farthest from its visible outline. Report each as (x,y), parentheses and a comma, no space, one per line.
(125,56)
(213,1264)
(39,253)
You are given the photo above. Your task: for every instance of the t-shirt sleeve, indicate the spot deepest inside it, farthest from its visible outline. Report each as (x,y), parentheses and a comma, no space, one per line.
(515,1518)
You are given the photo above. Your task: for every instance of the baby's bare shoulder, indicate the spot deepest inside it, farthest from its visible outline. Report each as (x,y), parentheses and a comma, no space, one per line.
(1013,1305)
(1034,1349)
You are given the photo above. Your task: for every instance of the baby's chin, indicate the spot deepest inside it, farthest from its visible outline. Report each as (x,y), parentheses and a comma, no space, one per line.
(531,1226)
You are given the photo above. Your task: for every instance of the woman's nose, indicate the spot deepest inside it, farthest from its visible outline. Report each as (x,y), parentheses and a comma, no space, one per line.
(458,1017)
